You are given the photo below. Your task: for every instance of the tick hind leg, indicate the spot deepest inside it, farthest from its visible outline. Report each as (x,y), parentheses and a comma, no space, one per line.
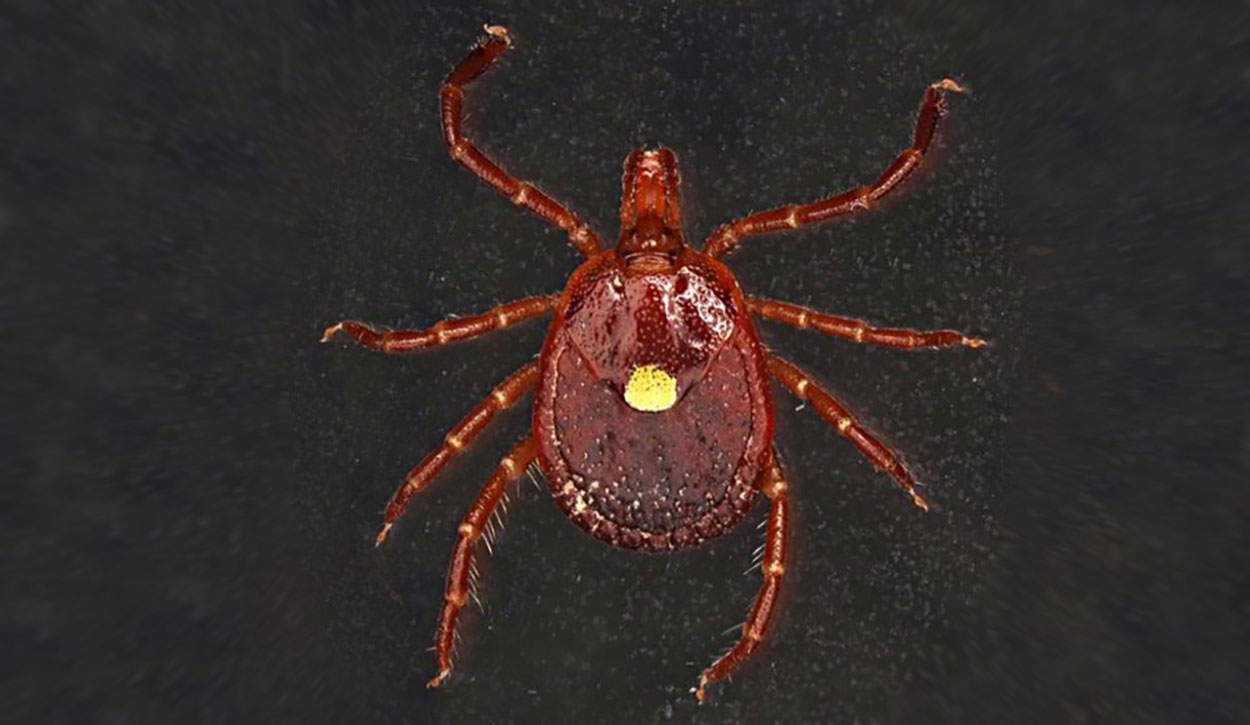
(858,330)
(798,383)
(457,592)
(932,108)
(501,398)
(522,193)
(776,556)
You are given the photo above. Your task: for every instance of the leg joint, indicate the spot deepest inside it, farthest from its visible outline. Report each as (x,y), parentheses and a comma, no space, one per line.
(775,488)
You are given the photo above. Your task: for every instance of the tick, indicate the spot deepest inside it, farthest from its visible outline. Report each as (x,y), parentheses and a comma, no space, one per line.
(653,412)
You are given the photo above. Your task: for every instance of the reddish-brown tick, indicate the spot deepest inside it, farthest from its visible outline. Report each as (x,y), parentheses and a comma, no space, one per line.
(653,417)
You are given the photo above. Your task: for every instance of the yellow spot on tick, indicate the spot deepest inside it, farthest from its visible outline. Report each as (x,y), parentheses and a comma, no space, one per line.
(650,389)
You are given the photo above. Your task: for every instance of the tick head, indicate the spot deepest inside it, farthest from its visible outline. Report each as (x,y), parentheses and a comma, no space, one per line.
(650,208)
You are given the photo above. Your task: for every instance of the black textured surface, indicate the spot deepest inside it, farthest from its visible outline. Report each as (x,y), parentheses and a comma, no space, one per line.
(193,483)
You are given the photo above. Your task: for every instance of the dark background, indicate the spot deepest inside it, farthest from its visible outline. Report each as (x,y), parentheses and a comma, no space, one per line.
(193,483)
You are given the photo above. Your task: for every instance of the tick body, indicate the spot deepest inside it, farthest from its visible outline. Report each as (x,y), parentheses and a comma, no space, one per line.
(653,413)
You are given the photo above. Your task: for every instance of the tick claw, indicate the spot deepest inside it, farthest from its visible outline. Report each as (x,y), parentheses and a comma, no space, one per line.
(331,331)
(946,84)
(700,692)
(381,538)
(917,499)
(976,342)
(498,31)
(437,679)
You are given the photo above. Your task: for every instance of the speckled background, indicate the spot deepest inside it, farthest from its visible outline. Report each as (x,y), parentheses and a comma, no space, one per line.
(193,485)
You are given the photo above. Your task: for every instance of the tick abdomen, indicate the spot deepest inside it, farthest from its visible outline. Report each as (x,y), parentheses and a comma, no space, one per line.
(653,480)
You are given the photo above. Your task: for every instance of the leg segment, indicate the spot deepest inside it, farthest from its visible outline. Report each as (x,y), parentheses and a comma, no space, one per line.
(457,592)
(502,397)
(857,330)
(394,342)
(522,193)
(773,484)
(836,415)
(932,108)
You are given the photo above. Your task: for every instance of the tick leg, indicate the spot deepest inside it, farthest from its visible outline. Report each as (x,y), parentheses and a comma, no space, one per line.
(501,398)
(522,193)
(773,484)
(457,592)
(836,415)
(932,108)
(857,330)
(394,342)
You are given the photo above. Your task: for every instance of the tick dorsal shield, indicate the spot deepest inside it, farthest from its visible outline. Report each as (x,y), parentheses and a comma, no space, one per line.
(646,333)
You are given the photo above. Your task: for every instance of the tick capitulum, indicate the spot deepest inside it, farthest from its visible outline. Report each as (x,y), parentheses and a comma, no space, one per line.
(653,414)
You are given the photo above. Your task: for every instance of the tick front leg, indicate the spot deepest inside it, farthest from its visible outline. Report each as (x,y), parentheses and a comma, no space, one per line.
(396,342)
(858,330)
(464,152)
(836,415)
(457,592)
(932,108)
(776,556)
(455,441)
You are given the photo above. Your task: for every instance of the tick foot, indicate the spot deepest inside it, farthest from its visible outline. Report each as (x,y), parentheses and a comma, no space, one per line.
(700,692)
(438,679)
(381,538)
(331,331)
(975,342)
(498,31)
(946,84)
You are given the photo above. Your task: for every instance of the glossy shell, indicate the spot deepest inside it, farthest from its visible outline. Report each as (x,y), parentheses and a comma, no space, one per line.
(653,480)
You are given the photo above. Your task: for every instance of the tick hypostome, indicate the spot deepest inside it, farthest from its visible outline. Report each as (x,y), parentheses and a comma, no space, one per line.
(653,415)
